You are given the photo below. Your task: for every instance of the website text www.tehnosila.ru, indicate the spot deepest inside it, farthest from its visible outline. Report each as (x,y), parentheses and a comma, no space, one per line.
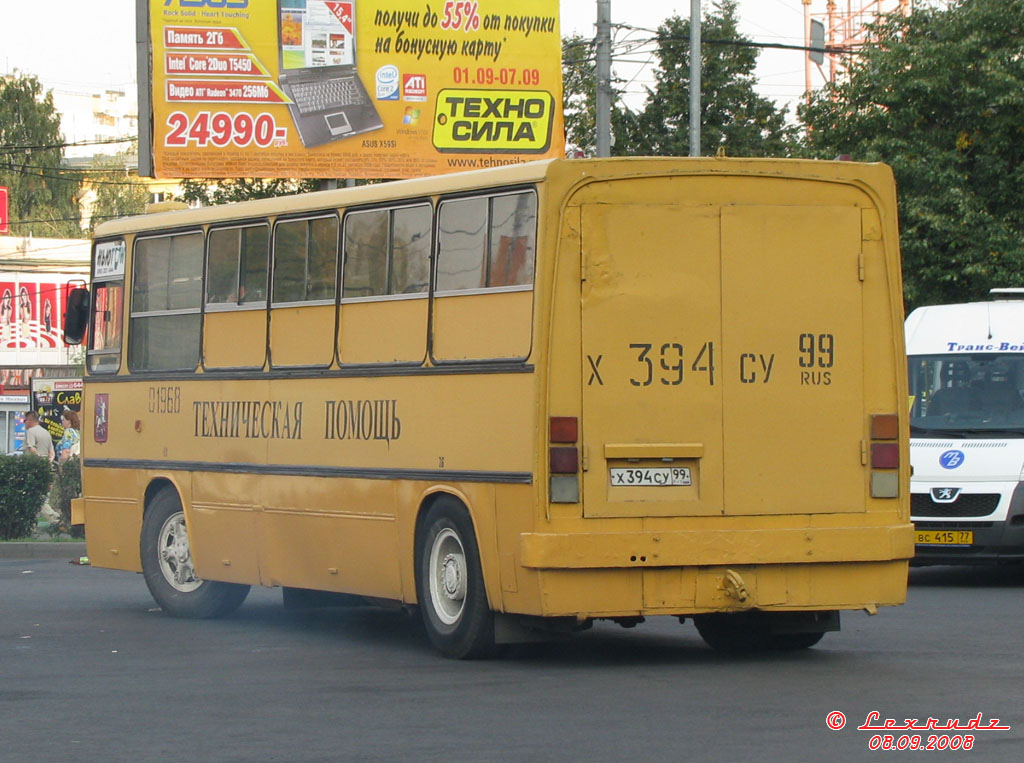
(479,164)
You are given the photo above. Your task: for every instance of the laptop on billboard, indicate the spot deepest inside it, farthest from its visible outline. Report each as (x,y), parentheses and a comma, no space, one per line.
(317,49)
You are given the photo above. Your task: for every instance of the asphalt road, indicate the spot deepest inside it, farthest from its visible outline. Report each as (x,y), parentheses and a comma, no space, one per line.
(90,671)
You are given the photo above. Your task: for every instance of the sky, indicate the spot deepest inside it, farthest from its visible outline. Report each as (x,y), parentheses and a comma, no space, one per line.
(85,45)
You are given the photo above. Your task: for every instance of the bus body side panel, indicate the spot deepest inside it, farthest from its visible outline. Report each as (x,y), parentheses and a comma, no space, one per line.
(309,482)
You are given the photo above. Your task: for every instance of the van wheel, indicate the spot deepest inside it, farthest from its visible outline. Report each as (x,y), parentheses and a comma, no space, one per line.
(450,584)
(167,565)
(747,632)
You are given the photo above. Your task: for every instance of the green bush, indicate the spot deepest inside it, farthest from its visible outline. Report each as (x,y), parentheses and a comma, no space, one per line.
(24,485)
(67,484)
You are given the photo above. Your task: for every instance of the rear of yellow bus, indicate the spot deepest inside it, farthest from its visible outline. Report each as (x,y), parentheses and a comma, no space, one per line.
(725,437)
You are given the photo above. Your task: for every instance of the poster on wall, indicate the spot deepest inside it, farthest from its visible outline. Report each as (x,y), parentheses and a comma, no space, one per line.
(30,314)
(352,88)
(51,398)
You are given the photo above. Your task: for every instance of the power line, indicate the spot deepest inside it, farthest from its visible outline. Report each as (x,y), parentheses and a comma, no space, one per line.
(748,43)
(77,179)
(62,220)
(109,170)
(12,148)
(55,248)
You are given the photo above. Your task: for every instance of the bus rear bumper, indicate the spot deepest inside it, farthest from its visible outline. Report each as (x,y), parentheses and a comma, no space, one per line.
(695,548)
(682,573)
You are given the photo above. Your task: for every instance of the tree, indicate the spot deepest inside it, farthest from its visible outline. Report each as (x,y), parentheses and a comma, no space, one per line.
(579,95)
(42,200)
(117,193)
(939,96)
(579,100)
(733,115)
(229,190)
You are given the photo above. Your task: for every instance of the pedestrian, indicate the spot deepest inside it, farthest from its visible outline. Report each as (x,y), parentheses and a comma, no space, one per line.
(37,440)
(70,443)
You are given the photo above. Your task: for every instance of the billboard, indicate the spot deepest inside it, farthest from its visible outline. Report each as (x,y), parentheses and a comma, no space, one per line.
(4,211)
(352,88)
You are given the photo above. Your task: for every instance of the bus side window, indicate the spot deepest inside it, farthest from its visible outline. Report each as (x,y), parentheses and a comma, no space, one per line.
(106,327)
(252,272)
(513,240)
(366,254)
(462,235)
(305,259)
(410,250)
(166,301)
(236,267)
(487,243)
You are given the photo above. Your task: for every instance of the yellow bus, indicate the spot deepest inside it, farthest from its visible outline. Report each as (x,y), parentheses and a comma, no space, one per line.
(522,399)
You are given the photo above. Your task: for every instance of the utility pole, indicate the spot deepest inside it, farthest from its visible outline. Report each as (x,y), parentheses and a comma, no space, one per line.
(604,77)
(694,77)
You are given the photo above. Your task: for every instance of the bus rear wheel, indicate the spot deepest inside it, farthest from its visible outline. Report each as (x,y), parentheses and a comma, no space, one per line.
(747,632)
(168,569)
(453,602)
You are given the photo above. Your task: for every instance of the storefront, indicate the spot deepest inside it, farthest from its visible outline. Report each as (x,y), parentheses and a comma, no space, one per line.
(12,421)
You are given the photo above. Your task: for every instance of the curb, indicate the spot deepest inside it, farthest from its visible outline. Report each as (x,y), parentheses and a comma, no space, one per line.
(43,550)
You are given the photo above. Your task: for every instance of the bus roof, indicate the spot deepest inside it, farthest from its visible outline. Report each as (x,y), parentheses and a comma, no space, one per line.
(568,171)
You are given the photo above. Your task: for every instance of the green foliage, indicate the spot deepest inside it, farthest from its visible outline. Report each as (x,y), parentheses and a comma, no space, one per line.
(30,158)
(733,115)
(579,95)
(117,194)
(940,97)
(67,484)
(229,190)
(24,484)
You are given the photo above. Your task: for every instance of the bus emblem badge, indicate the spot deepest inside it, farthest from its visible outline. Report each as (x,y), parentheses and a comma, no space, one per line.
(945,494)
(102,408)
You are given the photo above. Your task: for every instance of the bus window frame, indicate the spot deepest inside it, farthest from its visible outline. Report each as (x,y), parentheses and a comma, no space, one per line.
(93,286)
(436,257)
(390,209)
(223,307)
(218,308)
(488,195)
(148,236)
(272,267)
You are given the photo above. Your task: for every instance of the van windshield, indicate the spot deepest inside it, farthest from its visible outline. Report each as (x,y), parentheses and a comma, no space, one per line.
(967,395)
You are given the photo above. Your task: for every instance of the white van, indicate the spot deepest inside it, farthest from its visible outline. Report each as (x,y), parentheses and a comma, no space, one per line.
(966,365)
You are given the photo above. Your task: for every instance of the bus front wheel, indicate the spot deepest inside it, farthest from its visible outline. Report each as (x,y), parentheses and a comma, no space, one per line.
(168,569)
(450,583)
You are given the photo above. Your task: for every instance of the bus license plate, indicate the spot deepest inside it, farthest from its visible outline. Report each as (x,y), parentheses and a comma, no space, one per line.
(945,537)
(651,477)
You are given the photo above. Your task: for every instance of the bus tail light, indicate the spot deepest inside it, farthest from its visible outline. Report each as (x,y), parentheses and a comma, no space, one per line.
(885,456)
(564,459)
(564,429)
